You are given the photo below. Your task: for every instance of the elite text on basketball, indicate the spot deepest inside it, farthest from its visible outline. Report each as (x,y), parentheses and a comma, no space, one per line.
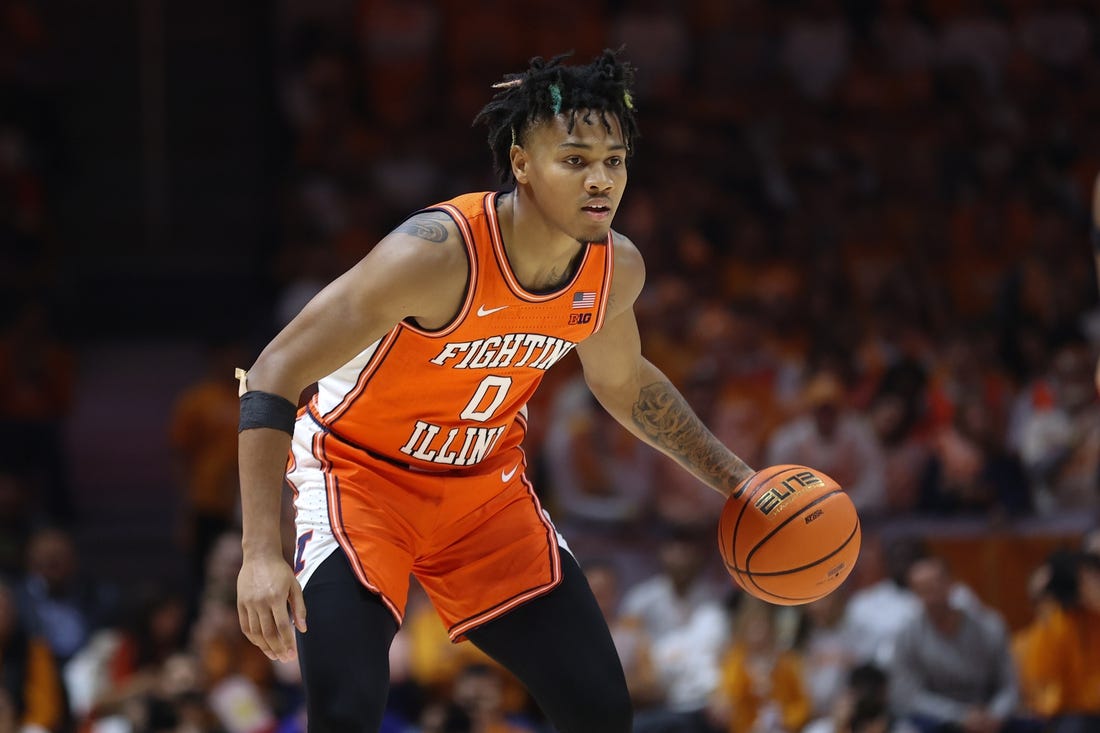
(774,496)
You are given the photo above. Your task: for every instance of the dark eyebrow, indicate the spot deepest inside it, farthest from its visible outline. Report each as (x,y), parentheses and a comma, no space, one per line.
(585,146)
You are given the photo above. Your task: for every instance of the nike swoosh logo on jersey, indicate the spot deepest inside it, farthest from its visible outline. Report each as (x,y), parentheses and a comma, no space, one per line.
(506,476)
(482,311)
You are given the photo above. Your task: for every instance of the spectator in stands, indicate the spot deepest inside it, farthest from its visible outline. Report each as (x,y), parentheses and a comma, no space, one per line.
(905,454)
(875,614)
(631,639)
(952,666)
(1050,585)
(1061,444)
(1059,653)
(118,671)
(61,604)
(680,610)
(169,697)
(826,650)
(240,706)
(600,474)
(970,471)
(1091,542)
(433,661)
(479,692)
(29,679)
(177,702)
(835,439)
(863,706)
(761,688)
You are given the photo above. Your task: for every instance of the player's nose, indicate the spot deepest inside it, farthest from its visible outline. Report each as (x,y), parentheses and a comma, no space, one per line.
(598,180)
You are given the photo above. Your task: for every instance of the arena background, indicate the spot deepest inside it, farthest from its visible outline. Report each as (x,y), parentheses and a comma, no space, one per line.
(894,192)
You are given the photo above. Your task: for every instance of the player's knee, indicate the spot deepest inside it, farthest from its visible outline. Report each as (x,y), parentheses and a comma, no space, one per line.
(618,713)
(613,715)
(606,708)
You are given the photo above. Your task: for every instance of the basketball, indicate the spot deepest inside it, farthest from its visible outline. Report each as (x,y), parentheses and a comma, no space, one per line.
(789,535)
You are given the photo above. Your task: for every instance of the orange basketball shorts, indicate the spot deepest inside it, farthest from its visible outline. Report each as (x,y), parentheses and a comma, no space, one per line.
(479,544)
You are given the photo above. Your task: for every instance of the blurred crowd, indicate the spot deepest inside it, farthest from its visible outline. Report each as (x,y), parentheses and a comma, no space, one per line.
(865,228)
(907,647)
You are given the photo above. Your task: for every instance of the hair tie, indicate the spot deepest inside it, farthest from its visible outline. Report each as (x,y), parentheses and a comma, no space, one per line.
(628,100)
(555,98)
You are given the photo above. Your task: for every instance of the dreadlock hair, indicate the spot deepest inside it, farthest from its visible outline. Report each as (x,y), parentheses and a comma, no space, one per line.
(550,88)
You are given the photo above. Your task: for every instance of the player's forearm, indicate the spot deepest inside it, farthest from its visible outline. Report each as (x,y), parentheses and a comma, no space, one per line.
(654,410)
(669,424)
(262,456)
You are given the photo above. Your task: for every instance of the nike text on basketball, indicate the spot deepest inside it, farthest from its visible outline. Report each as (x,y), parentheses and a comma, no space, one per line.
(482,311)
(532,350)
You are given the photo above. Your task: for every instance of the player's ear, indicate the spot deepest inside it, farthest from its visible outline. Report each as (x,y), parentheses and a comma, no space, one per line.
(520,161)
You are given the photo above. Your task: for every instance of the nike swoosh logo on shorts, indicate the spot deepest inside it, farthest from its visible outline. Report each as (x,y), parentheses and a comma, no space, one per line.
(506,476)
(482,311)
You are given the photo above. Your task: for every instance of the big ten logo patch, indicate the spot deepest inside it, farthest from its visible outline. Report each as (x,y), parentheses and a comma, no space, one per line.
(772,499)
(576,319)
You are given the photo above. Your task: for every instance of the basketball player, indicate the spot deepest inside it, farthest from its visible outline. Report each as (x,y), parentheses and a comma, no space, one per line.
(408,460)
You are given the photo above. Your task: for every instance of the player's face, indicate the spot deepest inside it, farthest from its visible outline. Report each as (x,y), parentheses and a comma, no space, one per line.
(576,179)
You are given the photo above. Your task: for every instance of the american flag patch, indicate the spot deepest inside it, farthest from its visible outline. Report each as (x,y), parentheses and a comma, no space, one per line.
(584,299)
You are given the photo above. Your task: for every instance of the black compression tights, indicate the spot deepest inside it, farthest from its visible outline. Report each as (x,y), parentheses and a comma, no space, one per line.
(557,645)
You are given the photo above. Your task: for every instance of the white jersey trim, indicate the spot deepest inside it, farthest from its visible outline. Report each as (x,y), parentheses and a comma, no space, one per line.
(334,389)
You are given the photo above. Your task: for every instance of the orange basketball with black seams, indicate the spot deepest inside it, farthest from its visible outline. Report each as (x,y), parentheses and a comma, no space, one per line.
(789,535)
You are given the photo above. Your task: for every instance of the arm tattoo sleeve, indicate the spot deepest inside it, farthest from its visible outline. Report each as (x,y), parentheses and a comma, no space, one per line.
(430,226)
(666,418)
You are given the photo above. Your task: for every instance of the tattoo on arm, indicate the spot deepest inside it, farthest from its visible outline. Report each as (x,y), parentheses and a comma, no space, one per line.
(430,226)
(666,418)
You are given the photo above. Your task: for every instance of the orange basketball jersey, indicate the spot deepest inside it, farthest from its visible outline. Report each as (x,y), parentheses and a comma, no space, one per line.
(448,399)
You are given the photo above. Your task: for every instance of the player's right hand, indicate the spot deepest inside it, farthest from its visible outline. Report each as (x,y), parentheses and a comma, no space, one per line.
(266,586)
